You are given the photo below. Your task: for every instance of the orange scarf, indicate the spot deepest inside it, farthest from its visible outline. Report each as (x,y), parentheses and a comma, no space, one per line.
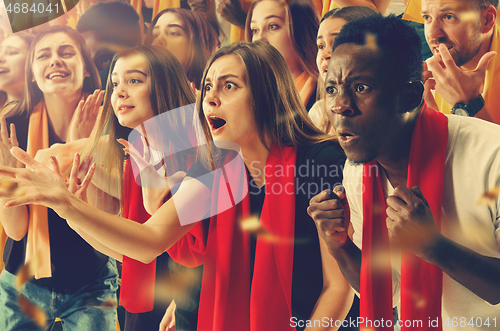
(38,246)
(420,281)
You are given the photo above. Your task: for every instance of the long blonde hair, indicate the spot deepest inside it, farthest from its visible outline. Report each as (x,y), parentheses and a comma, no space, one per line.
(168,89)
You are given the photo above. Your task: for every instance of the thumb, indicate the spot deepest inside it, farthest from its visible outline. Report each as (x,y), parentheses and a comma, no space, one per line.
(339,190)
(484,61)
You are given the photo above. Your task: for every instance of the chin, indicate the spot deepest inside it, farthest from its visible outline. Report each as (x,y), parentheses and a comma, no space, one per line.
(358,158)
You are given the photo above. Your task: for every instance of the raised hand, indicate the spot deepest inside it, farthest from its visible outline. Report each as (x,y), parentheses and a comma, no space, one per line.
(232,12)
(456,84)
(429,86)
(6,143)
(85,116)
(39,185)
(198,5)
(74,184)
(330,211)
(155,188)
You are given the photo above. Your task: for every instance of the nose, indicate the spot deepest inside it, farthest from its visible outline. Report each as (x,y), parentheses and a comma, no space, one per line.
(341,104)
(260,35)
(160,41)
(325,53)
(211,98)
(120,91)
(434,31)
(55,60)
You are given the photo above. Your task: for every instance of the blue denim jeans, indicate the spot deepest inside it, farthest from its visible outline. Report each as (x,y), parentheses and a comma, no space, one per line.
(78,311)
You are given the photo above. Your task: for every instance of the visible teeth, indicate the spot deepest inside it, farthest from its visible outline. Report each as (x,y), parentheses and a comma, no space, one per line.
(52,76)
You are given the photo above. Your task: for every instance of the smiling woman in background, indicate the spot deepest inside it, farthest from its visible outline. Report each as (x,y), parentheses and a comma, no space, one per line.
(59,74)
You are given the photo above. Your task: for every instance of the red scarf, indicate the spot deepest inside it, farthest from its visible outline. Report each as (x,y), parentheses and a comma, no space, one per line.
(138,279)
(421,282)
(229,300)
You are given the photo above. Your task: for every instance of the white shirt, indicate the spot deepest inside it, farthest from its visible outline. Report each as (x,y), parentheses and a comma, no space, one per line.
(472,168)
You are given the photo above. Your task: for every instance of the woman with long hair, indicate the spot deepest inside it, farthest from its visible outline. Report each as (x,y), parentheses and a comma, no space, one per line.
(263,282)
(59,74)
(145,82)
(291,27)
(188,35)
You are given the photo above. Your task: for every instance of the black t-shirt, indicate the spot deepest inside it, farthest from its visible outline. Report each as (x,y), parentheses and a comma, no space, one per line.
(318,167)
(74,262)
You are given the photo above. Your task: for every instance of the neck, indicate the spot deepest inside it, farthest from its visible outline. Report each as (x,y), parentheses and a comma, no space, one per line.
(60,110)
(255,157)
(296,72)
(394,159)
(15,94)
(485,48)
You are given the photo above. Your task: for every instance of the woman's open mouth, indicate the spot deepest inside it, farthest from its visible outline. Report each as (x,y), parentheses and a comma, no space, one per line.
(216,123)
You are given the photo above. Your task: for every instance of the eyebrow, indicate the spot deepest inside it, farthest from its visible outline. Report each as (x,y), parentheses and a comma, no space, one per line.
(268,17)
(444,9)
(172,25)
(351,79)
(131,72)
(331,35)
(223,77)
(61,46)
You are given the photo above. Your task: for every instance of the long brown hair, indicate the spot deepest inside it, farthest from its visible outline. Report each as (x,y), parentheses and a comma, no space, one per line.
(278,109)
(168,89)
(203,40)
(32,94)
(303,24)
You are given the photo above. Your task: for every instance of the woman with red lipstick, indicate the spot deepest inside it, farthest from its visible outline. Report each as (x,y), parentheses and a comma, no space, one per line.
(59,74)
(276,281)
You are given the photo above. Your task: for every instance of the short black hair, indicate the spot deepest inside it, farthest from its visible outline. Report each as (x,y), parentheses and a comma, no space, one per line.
(481,4)
(398,41)
(114,22)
